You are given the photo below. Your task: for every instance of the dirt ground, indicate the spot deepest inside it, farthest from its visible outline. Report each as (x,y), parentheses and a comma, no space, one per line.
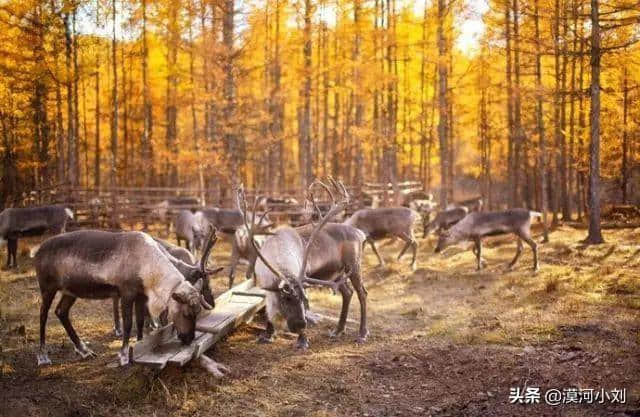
(445,341)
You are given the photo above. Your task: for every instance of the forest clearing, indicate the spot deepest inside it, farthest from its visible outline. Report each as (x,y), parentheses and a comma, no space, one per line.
(445,341)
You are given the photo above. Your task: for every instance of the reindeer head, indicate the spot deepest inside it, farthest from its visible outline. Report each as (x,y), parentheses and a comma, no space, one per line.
(290,292)
(185,305)
(445,238)
(202,273)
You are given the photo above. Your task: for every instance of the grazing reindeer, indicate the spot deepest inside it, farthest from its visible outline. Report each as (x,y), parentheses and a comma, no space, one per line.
(192,228)
(387,222)
(321,254)
(242,248)
(31,221)
(230,220)
(472,204)
(444,220)
(97,265)
(265,203)
(177,252)
(479,224)
(191,271)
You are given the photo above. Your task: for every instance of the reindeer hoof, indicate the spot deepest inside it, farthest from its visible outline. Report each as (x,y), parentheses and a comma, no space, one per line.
(312,318)
(302,344)
(362,338)
(264,339)
(43,359)
(217,369)
(117,332)
(336,334)
(123,357)
(85,353)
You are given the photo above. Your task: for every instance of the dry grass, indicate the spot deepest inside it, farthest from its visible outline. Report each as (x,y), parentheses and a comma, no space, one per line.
(445,341)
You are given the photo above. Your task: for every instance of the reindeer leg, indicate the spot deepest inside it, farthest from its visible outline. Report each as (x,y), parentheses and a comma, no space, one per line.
(251,269)
(375,250)
(62,311)
(216,368)
(141,312)
(267,335)
(410,243)
(478,253)
(361,292)
(12,251)
(518,253)
(534,247)
(232,266)
(303,342)
(127,312)
(47,299)
(117,326)
(347,293)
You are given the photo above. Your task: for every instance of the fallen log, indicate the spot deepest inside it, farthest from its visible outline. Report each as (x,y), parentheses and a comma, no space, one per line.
(233,308)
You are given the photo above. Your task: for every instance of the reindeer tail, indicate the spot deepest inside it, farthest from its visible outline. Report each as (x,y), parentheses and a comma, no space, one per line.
(69,213)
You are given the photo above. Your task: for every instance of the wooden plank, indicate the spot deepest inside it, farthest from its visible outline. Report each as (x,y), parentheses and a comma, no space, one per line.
(209,339)
(153,339)
(233,307)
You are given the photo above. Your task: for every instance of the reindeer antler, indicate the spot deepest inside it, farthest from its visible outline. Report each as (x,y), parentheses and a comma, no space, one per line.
(211,241)
(242,205)
(337,206)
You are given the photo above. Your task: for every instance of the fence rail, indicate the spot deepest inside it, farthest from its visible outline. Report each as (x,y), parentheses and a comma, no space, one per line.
(146,206)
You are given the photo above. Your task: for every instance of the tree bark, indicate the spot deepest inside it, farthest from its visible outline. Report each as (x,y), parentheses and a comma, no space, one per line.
(304,145)
(542,151)
(147,111)
(595,234)
(229,94)
(442,105)
(171,112)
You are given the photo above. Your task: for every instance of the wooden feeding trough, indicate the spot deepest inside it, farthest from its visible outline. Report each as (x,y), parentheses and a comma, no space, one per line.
(233,308)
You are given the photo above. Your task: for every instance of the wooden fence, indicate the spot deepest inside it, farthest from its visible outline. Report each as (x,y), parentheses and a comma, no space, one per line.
(146,206)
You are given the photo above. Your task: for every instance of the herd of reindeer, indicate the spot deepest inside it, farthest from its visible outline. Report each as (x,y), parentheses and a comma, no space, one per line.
(166,282)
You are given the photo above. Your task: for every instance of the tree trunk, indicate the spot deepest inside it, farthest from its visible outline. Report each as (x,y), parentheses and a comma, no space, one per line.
(442,104)
(304,145)
(542,151)
(147,111)
(114,117)
(71,140)
(359,103)
(229,93)
(518,138)
(595,234)
(172,90)
(625,136)
(510,121)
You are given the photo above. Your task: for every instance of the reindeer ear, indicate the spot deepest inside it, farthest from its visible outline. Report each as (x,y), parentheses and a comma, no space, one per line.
(180,297)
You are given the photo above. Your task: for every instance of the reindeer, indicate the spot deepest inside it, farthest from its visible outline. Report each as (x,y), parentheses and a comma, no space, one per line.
(323,254)
(477,225)
(230,220)
(444,220)
(178,252)
(387,222)
(31,221)
(189,269)
(241,248)
(192,228)
(472,204)
(98,265)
